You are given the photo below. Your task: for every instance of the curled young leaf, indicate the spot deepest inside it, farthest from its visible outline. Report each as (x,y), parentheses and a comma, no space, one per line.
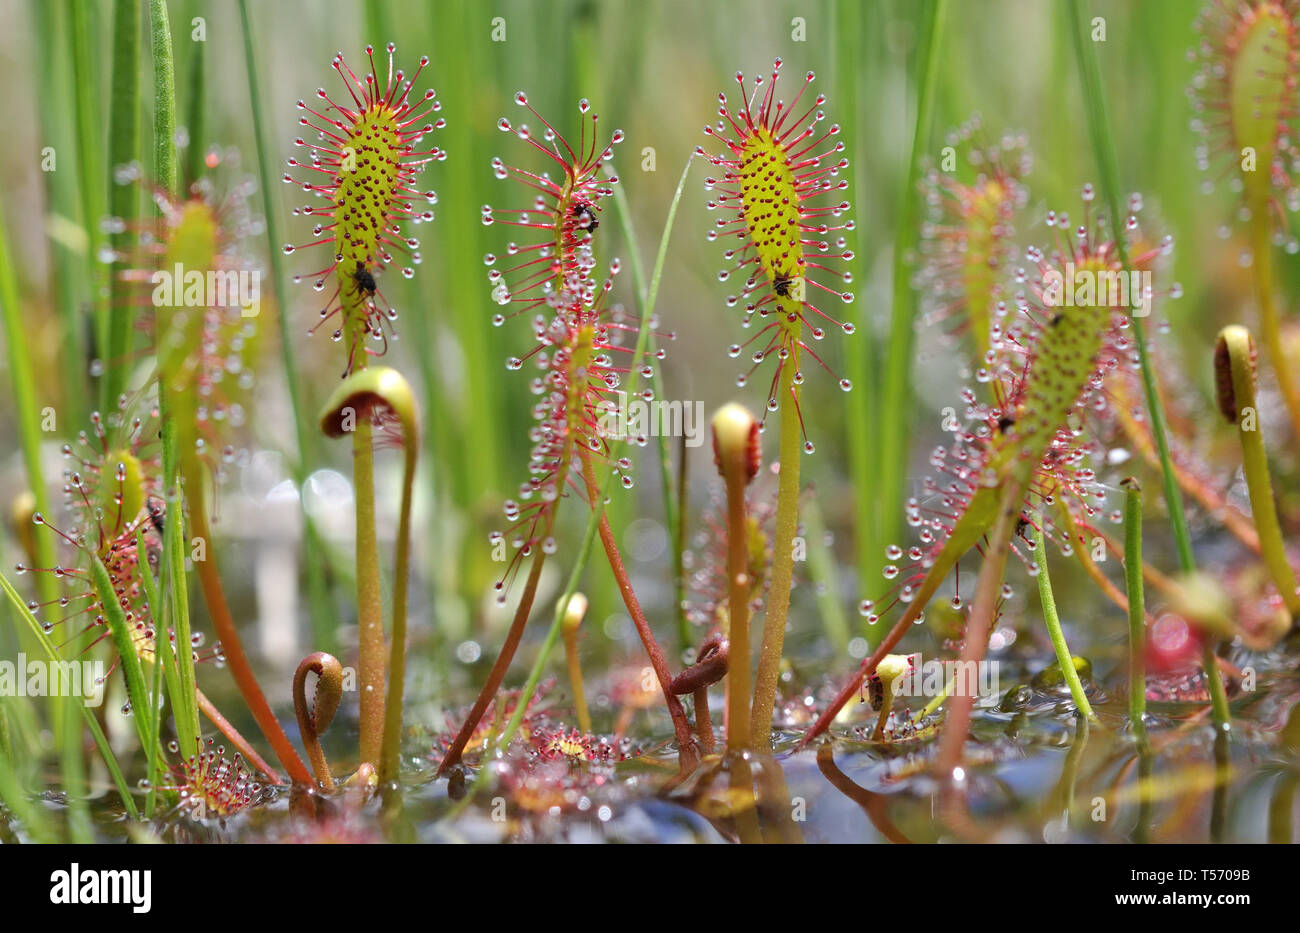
(708,670)
(314,721)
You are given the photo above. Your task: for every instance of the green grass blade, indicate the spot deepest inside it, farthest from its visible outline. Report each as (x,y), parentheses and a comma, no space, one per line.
(66,286)
(304,430)
(176,597)
(163,662)
(28,412)
(480,421)
(378,26)
(196,111)
(164,98)
(123,148)
(672,516)
(155,750)
(302,424)
(175,615)
(861,404)
(52,653)
(26,403)
(1053,621)
(15,798)
(1137,675)
(110,762)
(89,148)
(897,399)
(128,658)
(1103,145)
(824,575)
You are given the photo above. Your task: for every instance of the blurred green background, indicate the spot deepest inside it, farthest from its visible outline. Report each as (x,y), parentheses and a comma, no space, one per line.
(653,69)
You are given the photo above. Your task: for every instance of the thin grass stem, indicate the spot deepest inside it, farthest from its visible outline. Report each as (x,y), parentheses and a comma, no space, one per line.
(673,493)
(1137,674)
(123,149)
(52,653)
(896,397)
(1103,145)
(322,612)
(1052,620)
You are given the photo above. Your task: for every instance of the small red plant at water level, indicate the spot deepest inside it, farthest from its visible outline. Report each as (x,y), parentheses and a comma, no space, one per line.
(212,786)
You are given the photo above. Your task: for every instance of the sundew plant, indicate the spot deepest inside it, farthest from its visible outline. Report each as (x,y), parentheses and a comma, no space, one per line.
(645,422)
